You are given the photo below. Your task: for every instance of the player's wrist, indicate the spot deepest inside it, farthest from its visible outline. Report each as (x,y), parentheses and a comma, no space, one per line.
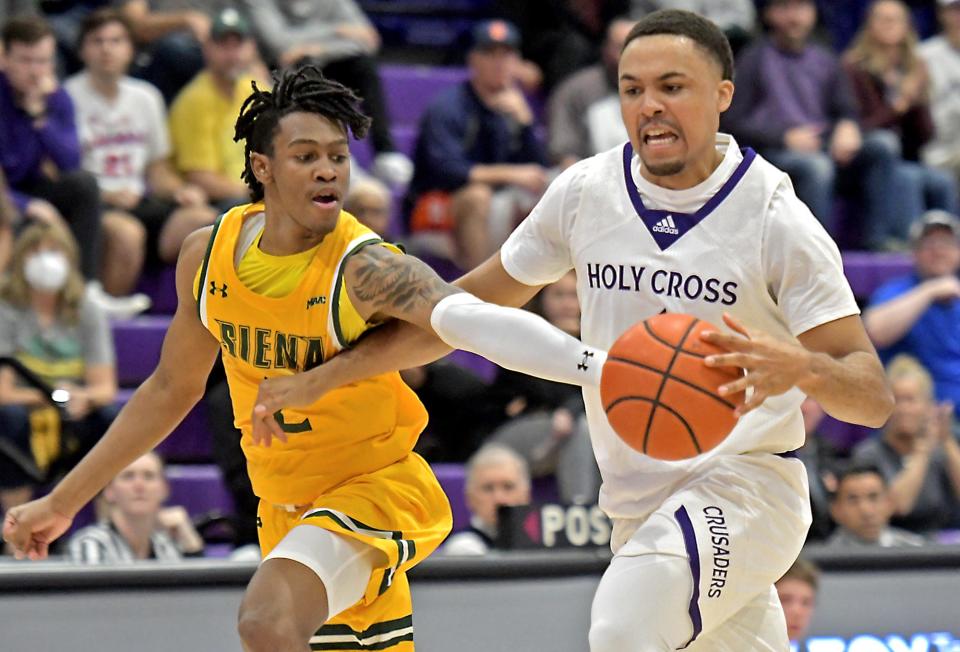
(813,369)
(61,503)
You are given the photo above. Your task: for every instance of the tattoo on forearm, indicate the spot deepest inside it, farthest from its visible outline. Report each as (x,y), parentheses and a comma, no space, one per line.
(403,283)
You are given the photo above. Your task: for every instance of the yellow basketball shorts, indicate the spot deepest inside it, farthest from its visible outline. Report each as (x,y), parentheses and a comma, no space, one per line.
(400,510)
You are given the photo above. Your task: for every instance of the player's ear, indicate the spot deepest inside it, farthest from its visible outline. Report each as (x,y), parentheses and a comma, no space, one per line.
(260,164)
(724,95)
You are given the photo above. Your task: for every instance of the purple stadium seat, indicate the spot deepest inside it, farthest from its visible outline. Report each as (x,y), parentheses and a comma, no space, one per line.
(137,343)
(199,488)
(159,283)
(866,271)
(483,368)
(409,89)
(190,441)
(453,479)
(844,436)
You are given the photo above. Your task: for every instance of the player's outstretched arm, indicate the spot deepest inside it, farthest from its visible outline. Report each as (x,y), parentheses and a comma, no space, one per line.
(154,410)
(383,285)
(834,363)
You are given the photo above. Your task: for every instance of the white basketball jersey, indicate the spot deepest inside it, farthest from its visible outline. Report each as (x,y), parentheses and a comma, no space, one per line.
(748,246)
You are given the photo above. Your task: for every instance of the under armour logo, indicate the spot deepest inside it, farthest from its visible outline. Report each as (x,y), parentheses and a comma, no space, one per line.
(582,365)
(214,289)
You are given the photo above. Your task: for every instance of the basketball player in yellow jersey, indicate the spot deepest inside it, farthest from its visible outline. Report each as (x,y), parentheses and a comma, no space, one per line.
(279,287)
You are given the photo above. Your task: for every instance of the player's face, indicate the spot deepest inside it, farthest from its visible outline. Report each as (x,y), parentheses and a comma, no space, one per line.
(938,254)
(888,23)
(27,65)
(910,409)
(140,489)
(671,97)
(561,307)
(108,50)
(495,485)
(307,177)
(862,505)
(798,600)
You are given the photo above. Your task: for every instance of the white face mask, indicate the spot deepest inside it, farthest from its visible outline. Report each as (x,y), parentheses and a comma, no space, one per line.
(46,271)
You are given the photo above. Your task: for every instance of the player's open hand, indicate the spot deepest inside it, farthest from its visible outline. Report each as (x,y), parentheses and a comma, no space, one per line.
(273,395)
(771,366)
(31,528)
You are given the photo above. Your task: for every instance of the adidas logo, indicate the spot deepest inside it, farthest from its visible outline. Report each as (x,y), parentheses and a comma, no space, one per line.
(666,225)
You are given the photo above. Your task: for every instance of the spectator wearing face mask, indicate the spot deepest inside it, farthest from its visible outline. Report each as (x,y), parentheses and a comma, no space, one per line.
(49,325)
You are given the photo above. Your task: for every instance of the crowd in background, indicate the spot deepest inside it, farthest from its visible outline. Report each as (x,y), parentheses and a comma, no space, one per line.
(116,141)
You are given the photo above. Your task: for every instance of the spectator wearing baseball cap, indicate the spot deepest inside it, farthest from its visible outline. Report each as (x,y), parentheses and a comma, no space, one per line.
(479,164)
(919,313)
(203,115)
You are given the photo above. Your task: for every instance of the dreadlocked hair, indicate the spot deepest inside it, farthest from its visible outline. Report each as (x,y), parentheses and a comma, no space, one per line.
(303,89)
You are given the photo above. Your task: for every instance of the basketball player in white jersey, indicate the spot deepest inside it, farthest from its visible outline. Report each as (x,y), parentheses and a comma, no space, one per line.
(678,219)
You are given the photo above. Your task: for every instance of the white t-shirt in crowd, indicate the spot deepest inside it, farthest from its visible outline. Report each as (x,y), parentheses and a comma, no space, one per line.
(739,242)
(120,136)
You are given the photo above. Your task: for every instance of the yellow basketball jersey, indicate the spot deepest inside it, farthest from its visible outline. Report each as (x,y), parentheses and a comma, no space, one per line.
(353,430)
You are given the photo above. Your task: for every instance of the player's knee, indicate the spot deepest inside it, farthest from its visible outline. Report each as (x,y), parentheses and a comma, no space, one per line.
(261,631)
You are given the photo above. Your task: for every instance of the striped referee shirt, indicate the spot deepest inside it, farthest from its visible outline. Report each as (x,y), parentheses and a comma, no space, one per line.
(103,544)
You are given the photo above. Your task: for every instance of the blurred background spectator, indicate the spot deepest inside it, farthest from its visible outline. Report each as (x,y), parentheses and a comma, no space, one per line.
(170,34)
(584,110)
(559,36)
(369,200)
(797,590)
(736,18)
(942,56)
(125,143)
(203,114)
(48,323)
(919,313)
(38,140)
(496,476)
(336,36)
(916,452)
(479,166)
(40,154)
(862,507)
(891,83)
(794,104)
(136,525)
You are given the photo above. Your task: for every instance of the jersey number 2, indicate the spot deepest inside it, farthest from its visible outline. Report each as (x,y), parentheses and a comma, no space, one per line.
(303,426)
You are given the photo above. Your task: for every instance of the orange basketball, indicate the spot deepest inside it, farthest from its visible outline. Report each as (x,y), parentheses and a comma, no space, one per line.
(659,395)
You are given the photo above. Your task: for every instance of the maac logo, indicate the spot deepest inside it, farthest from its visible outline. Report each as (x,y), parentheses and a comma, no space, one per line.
(316,301)
(214,289)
